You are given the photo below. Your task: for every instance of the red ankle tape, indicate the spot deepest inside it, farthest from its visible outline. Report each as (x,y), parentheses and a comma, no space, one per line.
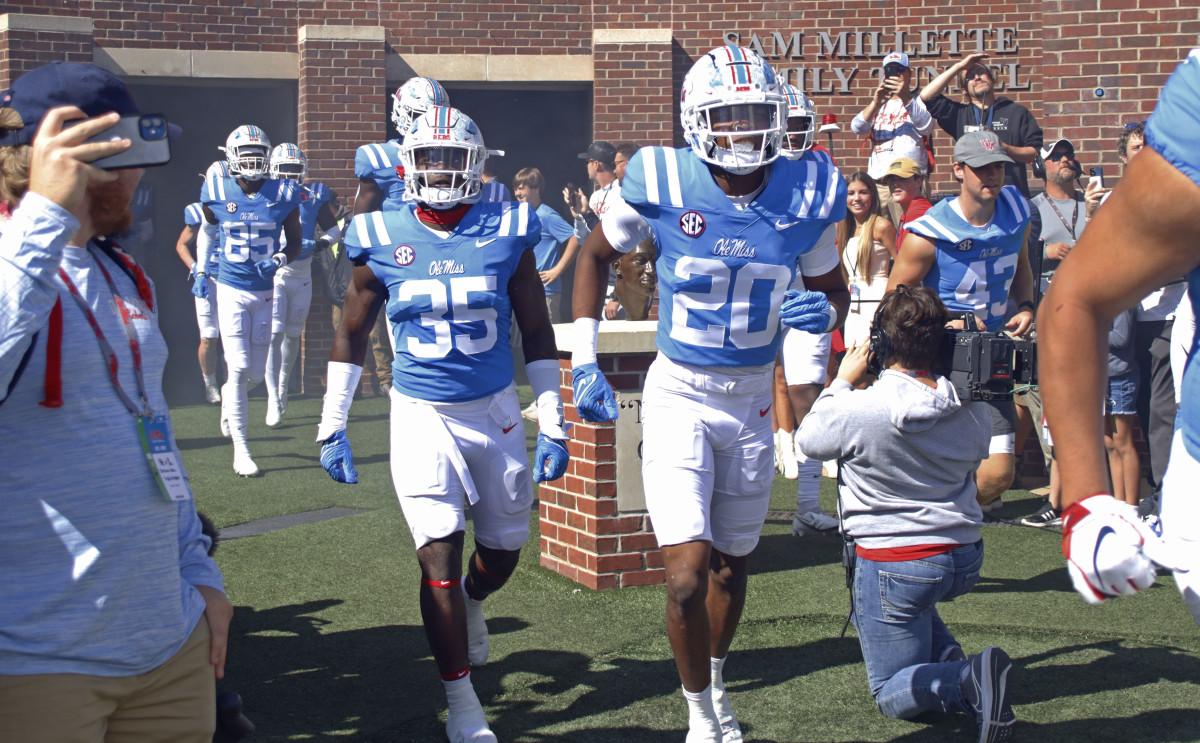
(441,583)
(456,675)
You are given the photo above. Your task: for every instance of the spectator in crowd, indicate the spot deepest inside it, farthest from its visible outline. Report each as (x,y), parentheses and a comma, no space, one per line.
(625,151)
(983,110)
(906,183)
(206,309)
(114,620)
(908,446)
(1142,237)
(1121,411)
(972,249)
(556,250)
(588,211)
(866,242)
(612,304)
(492,190)
(897,123)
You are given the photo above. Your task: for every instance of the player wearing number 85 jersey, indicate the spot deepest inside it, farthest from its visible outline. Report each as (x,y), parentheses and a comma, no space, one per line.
(971,250)
(251,212)
(731,221)
(452,273)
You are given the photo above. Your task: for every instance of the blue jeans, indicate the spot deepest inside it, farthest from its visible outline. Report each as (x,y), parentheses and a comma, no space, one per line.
(901,634)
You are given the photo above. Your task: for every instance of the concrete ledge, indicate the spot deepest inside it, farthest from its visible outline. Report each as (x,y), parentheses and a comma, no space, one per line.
(631,36)
(29,22)
(199,64)
(618,336)
(342,33)
(522,68)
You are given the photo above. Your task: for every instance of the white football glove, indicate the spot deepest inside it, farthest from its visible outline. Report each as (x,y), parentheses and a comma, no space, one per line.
(1109,551)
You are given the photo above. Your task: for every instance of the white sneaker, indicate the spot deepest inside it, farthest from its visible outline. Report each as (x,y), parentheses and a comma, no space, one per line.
(469,727)
(477,631)
(813,523)
(274,414)
(225,424)
(778,452)
(213,395)
(530,412)
(243,464)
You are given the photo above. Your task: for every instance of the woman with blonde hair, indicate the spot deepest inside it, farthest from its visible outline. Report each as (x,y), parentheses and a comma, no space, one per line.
(866,242)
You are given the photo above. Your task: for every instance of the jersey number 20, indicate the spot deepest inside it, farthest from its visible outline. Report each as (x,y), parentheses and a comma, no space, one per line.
(739,303)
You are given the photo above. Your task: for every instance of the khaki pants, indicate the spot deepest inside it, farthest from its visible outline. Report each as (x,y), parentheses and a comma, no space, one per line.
(174,703)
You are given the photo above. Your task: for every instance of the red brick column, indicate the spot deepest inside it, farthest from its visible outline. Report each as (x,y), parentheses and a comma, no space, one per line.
(634,89)
(342,81)
(585,534)
(29,41)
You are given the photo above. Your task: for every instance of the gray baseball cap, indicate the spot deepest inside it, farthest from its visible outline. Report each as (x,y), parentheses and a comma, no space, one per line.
(979,148)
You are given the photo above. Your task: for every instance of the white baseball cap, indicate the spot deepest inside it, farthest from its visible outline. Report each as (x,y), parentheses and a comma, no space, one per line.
(897,57)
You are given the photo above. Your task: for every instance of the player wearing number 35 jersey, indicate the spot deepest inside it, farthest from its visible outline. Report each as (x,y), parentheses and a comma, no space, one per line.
(452,273)
(731,222)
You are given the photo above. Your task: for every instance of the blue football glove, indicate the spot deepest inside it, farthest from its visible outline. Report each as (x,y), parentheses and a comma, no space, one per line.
(593,395)
(200,286)
(267,268)
(192,271)
(809,311)
(338,460)
(550,458)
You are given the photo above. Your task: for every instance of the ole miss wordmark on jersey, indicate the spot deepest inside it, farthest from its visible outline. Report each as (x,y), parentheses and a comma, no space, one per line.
(447,296)
(381,163)
(312,197)
(193,216)
(250,226)
(974,266)
(722,271)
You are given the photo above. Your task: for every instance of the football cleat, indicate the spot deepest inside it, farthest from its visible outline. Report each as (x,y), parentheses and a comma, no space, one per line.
(443,155)
(243,464)
(469,726)
(248,152)
(288,161)
(274,414)
(801,123)
(416,96)
(732,89)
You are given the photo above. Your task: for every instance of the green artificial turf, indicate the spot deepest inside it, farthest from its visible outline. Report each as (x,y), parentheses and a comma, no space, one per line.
(327,642)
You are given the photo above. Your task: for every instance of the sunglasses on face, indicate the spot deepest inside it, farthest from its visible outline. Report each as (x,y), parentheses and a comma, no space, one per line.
(1062,155)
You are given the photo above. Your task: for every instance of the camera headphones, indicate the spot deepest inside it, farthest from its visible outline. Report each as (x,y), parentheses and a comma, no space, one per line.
(880,342)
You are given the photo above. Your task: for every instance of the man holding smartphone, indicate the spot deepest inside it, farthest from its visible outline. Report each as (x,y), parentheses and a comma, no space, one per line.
(897,122)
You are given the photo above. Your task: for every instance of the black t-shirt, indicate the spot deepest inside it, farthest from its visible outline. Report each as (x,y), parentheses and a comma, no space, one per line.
(1011,122)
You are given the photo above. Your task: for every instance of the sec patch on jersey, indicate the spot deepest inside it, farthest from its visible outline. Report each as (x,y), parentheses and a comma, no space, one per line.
(404,255)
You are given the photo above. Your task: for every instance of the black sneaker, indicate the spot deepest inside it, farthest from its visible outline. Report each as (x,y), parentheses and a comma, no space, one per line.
(985,691)
(1047,515)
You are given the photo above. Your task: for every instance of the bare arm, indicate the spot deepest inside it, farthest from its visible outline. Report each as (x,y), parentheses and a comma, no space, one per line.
(1020,154)
(368,197)
(885,232)
(1150,229)
(591,275)
(935,86)
(914,260)
(364,297)
(1022,291)
(291,231)
(564,262)
(529,305)
(326,217)
(185,244)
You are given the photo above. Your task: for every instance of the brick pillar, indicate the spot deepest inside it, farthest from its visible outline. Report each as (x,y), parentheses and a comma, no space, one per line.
(29,41)
(593,522)
(634,89)
(342,80)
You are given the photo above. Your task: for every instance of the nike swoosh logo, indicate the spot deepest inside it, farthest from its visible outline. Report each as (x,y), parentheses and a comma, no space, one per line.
(481,243)
(1104,532)
(763,413)
(506,430)
(781,226)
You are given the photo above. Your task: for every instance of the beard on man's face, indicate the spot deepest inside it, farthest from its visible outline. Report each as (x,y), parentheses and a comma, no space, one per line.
(110,206)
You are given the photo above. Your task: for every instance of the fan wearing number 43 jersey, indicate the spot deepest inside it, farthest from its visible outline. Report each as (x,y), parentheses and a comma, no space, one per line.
(731,221)
(972,250)
(1147,231)
(451,272)
(251,212)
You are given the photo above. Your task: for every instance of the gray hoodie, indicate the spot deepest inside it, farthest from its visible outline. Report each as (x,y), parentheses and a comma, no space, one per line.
(908,452)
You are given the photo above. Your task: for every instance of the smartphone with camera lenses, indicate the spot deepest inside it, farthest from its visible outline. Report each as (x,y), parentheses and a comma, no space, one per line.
(147,132)
(1096,173)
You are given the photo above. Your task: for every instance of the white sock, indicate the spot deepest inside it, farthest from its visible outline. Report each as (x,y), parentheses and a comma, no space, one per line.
(460,696)
(235,403)
(720,700)
(808,485)
(702,715)
(210,380)
(289,351)
(274,362)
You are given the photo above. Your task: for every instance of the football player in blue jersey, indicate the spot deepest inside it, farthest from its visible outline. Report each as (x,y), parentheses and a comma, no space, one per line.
(972,251)
(377,166)
(293,282)
(206,308)
(731,221)
(452,272)
(250,212)
(1146,234)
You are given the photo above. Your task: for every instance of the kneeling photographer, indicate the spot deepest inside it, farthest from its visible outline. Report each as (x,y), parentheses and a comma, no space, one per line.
(908,446)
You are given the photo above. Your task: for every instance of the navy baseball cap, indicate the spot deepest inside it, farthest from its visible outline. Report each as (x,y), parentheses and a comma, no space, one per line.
(93,89)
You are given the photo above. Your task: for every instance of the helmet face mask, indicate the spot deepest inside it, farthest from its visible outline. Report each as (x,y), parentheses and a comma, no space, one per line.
(729,90)
(801,123)
(413,98)
(443,158)
(288,161)
(248,152)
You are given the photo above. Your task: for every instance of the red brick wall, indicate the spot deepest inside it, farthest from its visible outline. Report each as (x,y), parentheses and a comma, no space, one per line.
(21,51)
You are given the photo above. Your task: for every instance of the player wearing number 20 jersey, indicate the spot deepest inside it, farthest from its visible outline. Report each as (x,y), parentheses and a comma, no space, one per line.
(975,266)
(447,297)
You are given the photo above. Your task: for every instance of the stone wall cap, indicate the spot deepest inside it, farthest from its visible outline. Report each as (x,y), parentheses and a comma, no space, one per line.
(631,36)
(616,337)
(37,22)
(342,33)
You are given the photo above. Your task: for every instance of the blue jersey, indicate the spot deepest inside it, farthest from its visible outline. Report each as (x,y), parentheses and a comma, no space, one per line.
(447,297)
(381,163)
(1173,131)
(722,271)
(494,190)
(193,216)
(251,226)
(313,196)
(555,231)
(974,266)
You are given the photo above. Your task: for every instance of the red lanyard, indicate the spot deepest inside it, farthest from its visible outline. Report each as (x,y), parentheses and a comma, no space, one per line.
(106,349)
